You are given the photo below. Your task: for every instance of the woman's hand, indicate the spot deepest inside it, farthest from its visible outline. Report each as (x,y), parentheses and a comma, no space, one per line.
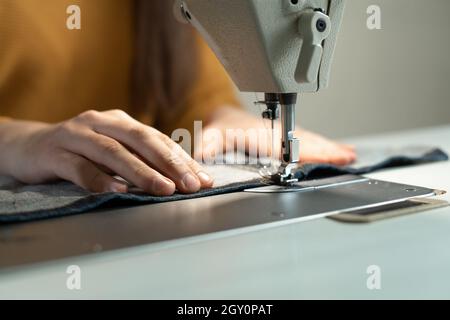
(314,148)
(93,147)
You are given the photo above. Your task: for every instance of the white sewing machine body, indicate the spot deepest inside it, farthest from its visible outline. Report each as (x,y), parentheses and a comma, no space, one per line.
(270,46)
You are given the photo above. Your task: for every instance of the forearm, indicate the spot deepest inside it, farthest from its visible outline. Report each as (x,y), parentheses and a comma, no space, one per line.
(15,133)
(232,117)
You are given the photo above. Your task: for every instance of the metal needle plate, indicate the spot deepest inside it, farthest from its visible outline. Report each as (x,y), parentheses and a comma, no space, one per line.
(310,185)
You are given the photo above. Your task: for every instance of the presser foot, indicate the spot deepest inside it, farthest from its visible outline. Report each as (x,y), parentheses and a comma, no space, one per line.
(285,176)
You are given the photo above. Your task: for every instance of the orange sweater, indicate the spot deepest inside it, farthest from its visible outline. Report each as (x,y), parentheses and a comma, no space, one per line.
(49,73)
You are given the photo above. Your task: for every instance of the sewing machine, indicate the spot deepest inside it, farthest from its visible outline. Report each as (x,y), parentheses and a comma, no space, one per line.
(280,48)
(275,47)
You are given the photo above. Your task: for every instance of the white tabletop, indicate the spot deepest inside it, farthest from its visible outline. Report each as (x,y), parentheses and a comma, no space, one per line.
(316,259)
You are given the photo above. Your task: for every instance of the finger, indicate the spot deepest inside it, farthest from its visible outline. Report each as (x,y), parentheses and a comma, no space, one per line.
(110,153)
(349,155)
(105,169)
(348,147)
(205,179)
(148,143)
(84,173)
(334,158)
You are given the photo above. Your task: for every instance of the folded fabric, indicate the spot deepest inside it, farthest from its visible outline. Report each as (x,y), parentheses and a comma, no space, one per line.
(20,203)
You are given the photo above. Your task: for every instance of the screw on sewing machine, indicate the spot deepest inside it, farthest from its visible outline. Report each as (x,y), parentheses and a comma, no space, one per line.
(321,25)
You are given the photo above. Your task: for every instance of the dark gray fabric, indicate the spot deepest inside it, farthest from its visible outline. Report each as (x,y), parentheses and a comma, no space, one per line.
(20,203)
(371,160)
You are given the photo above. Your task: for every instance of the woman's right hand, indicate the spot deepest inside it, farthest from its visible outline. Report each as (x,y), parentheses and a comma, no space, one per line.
(91,148)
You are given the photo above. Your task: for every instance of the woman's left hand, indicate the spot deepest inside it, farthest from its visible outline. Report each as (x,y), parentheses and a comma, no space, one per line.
(314,147)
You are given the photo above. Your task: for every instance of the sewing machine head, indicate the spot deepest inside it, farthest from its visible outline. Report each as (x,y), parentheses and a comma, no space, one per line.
(277,47)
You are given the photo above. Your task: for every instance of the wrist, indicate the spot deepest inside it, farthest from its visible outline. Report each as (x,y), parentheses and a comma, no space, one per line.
(15,142)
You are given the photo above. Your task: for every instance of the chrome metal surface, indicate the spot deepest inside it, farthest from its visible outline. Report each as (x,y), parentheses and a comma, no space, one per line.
(309,185)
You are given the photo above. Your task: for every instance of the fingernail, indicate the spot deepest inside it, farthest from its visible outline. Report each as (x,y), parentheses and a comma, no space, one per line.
(166,186)
(191,183)
(118,188)
(204,177)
